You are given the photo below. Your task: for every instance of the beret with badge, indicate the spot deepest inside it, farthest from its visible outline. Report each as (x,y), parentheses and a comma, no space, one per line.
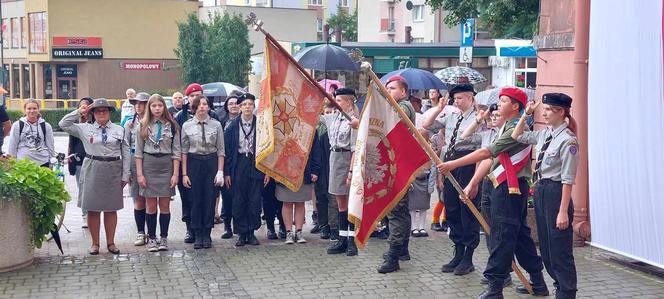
(515,93)
(344,91)
(193,87)
(462,88)
(557,99)
(245,96)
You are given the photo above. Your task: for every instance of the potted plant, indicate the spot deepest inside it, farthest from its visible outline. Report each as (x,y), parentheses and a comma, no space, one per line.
(531,220)
(30,198)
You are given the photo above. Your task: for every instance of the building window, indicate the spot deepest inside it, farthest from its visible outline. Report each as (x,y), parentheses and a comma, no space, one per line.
(26,80)
(37,27)
(315,2)
(418,13)
(525,73)
(5,34)
(16,33)
(319,25)
(343,3)
(261,2)
(24,41)
(418,40)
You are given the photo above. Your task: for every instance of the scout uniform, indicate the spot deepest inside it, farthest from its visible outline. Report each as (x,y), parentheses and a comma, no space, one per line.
(325,201)
(106,163)
(509,207)
(342,144)
(246,180)
(464,227)
(557,158)
(158,152)
(131,131)
(203,141)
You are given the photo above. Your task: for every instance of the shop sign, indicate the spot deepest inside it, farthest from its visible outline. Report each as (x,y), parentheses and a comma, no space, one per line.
(78,53)
(141,66)
(63,41)
(66,70)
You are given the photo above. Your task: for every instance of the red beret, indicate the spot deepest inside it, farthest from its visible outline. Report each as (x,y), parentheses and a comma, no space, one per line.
(395,78)
(516,94)
(193,87)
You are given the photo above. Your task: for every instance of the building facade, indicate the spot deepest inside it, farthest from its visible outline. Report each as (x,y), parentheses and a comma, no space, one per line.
(106,48)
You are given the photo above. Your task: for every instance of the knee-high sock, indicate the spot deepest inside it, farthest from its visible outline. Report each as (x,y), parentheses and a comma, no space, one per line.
(151,220)
(437,212)
(351,229)
(414,223)
(343,224)
(423,219)
(139,217)
(164,222)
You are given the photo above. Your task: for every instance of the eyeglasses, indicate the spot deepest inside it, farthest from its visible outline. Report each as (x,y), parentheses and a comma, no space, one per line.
(495,116)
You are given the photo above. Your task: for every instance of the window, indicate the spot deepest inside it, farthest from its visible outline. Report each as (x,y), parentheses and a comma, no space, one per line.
(261,2)
(418,13)
(418,40)
(247,2)
(37,28)
(525,73)
(319,25)
(16,33)
(343,3)
(5,34)
(24,41)
(315,2)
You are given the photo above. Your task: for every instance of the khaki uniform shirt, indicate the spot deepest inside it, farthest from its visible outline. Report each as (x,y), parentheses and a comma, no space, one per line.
(341,134)
(168,143)
(505,143)
(560,158)
(449,123)
(192,138)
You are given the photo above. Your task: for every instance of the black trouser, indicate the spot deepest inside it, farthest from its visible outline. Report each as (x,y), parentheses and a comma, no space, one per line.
(203,194)
(271,205)
(485,204)
(328,210)
(184,197)
(555,245)
(510,234)
(465,229)
(246,197)
(226,205)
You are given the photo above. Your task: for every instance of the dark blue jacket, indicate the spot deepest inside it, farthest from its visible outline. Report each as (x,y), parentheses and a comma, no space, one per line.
(313,163)
(232,146)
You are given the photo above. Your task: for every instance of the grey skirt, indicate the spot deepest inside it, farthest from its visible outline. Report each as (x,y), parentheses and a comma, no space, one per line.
(157,172)
(133,180)
(101,183)
(419,197)
(286,195)
(339,167)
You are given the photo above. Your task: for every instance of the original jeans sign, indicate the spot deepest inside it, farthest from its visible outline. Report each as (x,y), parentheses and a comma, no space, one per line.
(78,53)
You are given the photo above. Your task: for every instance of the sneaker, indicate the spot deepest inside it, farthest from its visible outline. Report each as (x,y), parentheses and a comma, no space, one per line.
(290,238)
(300,238)
(153,246)
(140,239)
(85,221)
(163,244)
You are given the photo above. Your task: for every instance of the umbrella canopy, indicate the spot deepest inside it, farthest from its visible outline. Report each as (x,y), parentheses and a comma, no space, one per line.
(220,89)
(460,75)
(326,83)
(417,79)
(490,96)
(326,57)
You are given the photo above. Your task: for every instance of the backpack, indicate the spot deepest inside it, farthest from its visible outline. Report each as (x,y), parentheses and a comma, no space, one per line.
(42,125)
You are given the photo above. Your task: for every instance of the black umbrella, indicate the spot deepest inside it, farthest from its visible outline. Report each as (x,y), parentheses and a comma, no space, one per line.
(56,237)
(220,89)
(326,57)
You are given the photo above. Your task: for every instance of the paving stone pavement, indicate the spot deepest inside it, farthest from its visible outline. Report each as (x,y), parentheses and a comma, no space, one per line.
(274,269)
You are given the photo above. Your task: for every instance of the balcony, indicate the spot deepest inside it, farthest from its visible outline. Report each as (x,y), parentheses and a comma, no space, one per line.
(387,25)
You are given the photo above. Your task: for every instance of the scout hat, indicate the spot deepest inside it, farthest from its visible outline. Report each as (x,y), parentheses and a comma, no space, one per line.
(461,88)
(101,103)
(516,94)
(557,99)
(140,97)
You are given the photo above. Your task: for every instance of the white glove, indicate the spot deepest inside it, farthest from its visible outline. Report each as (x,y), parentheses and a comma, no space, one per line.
(219,179)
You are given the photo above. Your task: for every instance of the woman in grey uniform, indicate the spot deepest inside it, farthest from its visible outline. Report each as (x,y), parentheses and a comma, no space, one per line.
(131,131)
(105,170)
(157,167)
(342,142)
(202,168)
(557,151)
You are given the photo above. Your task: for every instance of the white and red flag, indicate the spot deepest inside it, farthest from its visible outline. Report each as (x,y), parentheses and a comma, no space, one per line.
(387,159)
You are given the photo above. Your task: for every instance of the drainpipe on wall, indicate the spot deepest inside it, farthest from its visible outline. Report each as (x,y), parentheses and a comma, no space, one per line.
(580,107)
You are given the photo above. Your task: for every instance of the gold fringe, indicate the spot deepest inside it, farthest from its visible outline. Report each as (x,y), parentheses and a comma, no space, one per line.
(514,190)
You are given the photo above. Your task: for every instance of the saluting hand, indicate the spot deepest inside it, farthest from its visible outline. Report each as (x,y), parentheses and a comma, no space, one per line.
(530,109)
(562,221)
(83,109)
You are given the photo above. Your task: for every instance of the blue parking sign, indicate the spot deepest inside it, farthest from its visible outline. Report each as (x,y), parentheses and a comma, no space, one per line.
(467,33)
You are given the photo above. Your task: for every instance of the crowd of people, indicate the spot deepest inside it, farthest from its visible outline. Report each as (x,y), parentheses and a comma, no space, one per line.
(210,158)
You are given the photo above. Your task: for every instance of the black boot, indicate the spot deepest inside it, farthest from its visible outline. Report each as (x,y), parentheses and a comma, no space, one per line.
(189,236)
(351,250)
(466,265)
(241,240)
(198,244)
(338,247)
(252,240)
(391,262)
(405,253)
(538,284)
(282,231)
(492,292)
(228,230)
(334,234)
(271,234)
(456,260)
(325,232)
(314,218)
(207,239)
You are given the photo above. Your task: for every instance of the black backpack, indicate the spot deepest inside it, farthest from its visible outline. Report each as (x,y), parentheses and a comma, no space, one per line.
(42,125)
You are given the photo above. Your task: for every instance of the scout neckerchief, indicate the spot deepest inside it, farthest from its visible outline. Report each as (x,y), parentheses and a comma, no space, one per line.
(247,134)
(510,165)
(157,140)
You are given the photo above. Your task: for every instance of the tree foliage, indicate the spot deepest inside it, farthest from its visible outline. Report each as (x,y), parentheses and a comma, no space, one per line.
(217,51)
(346,21)
(503,18)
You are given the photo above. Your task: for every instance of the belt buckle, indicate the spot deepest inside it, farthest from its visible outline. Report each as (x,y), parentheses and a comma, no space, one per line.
(246,154)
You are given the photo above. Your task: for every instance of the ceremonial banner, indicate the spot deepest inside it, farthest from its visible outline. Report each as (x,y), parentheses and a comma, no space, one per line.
(387,159)
(287,116)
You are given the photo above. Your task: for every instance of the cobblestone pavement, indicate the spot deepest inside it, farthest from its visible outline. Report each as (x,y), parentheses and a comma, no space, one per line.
(274,269)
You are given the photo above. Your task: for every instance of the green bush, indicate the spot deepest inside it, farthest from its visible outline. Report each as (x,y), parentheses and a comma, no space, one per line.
(53,116)
(38,189)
